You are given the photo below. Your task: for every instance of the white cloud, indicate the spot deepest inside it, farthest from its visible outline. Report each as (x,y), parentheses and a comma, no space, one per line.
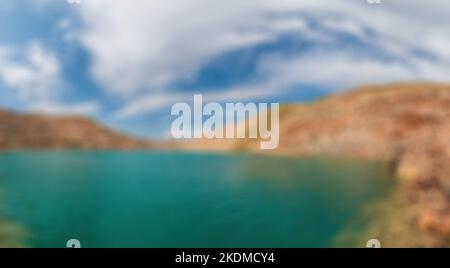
(139,45)
(33,72)
(147,104)
(34,75)
(53,108)
(153,102)
(342,70)
(145,45)
(140,48)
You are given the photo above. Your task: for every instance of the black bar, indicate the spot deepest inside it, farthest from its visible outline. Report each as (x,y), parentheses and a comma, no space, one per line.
(253,257)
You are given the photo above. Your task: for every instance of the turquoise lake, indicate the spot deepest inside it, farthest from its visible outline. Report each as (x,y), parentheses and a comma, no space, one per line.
(169,199)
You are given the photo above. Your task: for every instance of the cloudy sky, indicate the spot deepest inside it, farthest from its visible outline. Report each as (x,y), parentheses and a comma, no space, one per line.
(126,62)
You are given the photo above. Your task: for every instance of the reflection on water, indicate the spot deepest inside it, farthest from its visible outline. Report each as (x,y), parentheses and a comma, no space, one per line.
(161,199)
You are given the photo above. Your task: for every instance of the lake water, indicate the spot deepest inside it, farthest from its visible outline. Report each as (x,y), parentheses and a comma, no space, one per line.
(164,199)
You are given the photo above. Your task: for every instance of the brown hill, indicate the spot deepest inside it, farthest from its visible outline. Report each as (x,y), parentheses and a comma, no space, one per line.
(34,131)
(407,125)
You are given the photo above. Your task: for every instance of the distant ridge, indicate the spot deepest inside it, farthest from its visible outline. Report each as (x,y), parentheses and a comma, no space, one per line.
(36,131)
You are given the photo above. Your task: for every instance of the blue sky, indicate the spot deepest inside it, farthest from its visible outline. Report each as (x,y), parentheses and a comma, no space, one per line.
(126,62)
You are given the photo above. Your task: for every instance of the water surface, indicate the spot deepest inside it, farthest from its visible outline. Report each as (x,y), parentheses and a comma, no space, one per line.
(163,199)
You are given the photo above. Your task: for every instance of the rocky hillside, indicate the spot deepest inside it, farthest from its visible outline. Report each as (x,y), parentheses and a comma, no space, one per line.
(407,125)
(23,131)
